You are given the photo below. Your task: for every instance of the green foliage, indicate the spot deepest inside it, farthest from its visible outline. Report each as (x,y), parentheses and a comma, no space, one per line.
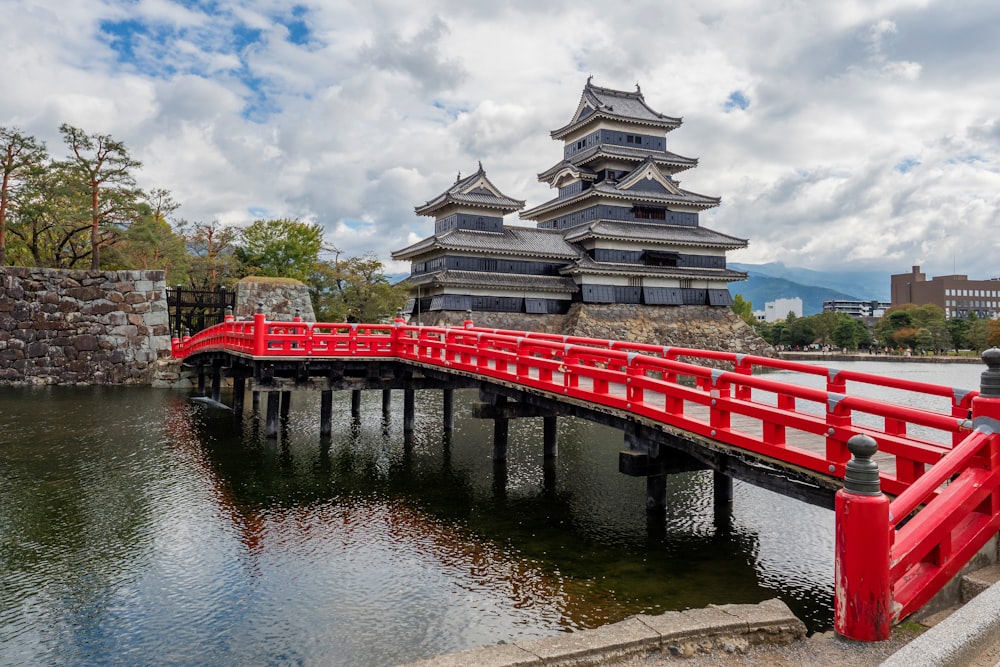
(958,330)
(923,328)
(210,247)
(744,309)
(355,289)
(151,243)
(281,248)
(22,159)
(99,171)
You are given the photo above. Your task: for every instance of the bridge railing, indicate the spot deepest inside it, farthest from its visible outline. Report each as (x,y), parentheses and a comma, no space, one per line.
(944,473)
(802,425)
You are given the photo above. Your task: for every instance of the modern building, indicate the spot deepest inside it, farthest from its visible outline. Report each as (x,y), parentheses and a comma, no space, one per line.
(620,229)
(857,309)
(779,309)
(956,294)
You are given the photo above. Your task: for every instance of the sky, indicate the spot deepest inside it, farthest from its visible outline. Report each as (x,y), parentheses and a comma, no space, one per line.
(840,135)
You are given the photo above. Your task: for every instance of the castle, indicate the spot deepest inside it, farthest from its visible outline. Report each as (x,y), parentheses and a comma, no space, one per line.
(620,230)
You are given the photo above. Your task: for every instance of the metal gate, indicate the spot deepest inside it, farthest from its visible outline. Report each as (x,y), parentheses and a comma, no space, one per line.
(192,310)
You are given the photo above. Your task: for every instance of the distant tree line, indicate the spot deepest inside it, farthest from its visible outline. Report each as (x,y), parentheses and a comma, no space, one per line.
(86,211)
(921,329)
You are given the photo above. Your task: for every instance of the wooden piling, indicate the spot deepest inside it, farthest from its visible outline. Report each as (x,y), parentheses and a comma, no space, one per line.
(550,437)
(271,421)
(447,408)
(326,413)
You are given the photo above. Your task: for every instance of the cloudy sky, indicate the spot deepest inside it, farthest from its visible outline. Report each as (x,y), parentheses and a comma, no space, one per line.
(852,133)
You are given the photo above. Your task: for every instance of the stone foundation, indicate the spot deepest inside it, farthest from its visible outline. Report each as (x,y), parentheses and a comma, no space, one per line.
(281,297)
(81,327)
(702,327)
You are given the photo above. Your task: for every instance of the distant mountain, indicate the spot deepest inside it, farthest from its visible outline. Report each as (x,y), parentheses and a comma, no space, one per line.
(759,289)
(866,285)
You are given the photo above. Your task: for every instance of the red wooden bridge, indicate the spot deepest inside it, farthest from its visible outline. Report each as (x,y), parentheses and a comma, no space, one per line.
(917,500)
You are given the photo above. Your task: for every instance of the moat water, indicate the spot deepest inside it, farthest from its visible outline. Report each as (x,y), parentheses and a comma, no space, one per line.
(139,528)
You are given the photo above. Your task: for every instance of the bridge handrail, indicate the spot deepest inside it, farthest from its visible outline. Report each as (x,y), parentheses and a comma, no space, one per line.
(942,519)
(946,504)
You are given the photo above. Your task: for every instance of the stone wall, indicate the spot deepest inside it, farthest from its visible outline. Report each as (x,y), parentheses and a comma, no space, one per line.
(81,327)
(702,327)
(281,298)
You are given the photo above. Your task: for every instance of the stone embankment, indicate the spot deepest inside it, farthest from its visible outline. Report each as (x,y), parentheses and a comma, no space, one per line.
(701,327)
(81,327)
(729,628)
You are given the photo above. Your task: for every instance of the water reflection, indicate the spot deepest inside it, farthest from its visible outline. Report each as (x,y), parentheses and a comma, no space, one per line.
(138,527)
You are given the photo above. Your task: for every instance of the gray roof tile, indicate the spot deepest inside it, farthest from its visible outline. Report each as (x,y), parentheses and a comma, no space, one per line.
(454,278)
(651,232)
(460,193)
(521,241)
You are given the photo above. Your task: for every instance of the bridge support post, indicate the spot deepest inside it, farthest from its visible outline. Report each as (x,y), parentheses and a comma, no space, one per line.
(325,413)
(656,493)
(201,379)
(862,588)
(355,404)
(409,410)
(550,437)
(216,382)
(386,402)
(447,408)
(722,488)
(239,395)
(255,400)
(500,431)
(271,420)
(286,403)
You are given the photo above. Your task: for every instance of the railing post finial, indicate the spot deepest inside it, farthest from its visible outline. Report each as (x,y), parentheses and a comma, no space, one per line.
(468,319)
(989,381)
(861,474)
(260,306)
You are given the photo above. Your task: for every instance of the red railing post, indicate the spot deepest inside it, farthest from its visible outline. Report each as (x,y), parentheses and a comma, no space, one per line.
(468,319)
(259,332)
(986,410)
(862,592)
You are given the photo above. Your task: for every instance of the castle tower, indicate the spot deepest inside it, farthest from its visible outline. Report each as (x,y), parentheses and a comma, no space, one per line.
(619,203)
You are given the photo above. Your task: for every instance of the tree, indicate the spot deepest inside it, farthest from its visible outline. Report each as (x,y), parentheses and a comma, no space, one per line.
(354,290)
(101,168)
(957,330)
(281,248)
(151,243)
(978,334)
(850,333)
(21,158)
(210,247)
(49,225)
(744,309)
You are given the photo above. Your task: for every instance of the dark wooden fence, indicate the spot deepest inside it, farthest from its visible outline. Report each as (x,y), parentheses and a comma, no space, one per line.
(193,310)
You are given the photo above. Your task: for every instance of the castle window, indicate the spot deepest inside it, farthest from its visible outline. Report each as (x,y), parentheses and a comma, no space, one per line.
(649,213)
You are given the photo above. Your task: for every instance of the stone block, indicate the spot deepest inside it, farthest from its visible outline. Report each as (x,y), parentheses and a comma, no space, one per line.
(500,655)
(86,343)
(157,318)
(144,286)
(604,644)
(124,330)
(36,349)
(85,293)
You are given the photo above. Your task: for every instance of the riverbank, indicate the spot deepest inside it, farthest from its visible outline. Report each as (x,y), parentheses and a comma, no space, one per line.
(834,357)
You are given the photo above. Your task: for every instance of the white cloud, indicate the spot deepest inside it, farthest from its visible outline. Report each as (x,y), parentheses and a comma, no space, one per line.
(866,134)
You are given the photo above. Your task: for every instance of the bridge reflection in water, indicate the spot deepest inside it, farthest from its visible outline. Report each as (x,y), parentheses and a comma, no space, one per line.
(731,421)
(560,540)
